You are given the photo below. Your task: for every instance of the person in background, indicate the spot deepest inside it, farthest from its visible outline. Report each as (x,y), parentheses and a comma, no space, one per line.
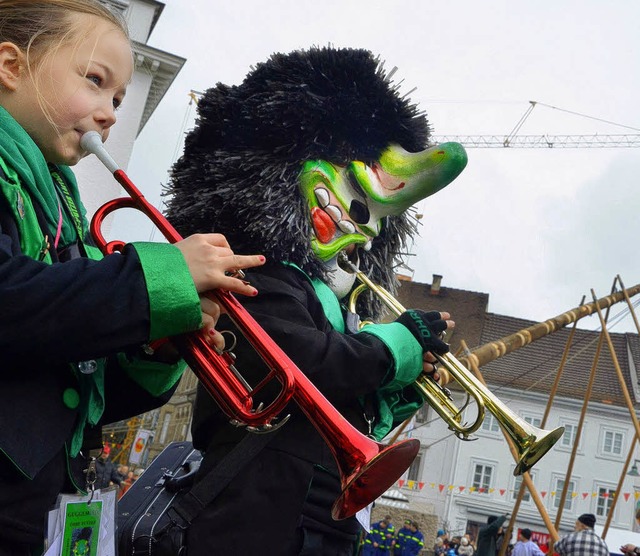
(465,548)
(401,536)
(379,540)
(415,542)
(525,546)
(488,535)
(77,326)
(106,471)
(440,546)
(583,541)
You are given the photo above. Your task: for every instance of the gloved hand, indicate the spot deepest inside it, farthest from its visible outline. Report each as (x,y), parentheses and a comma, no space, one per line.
(426,327)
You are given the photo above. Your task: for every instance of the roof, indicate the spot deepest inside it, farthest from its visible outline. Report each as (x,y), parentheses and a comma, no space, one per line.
(534,367)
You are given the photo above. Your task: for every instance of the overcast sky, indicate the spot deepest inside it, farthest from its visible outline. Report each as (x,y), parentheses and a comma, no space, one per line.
(536,229)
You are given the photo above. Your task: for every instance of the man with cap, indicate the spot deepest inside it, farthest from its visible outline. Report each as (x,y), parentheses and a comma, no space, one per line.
(525,546)
(106,472)
(583,541)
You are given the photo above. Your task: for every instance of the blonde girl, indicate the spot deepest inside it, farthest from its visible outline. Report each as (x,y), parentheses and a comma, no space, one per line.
(73,325)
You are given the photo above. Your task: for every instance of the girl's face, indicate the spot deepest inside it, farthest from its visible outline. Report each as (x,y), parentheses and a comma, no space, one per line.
(80,85)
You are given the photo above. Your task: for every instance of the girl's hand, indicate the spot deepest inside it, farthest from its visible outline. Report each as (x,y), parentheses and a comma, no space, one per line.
(210,316)
(210,258)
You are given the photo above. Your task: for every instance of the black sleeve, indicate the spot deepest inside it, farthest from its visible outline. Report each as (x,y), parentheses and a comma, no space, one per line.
(69,311)
(342,366)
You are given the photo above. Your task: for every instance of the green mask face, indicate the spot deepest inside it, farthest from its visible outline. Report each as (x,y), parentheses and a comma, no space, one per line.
(348,204)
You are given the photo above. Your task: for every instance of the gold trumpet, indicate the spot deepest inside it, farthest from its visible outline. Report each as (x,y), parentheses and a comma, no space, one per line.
(531,442)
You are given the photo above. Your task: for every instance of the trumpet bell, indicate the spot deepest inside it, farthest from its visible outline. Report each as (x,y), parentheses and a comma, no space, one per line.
(534,447)
(377,473)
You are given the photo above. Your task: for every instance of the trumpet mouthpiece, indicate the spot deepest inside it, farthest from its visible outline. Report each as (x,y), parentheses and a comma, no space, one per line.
(91,141)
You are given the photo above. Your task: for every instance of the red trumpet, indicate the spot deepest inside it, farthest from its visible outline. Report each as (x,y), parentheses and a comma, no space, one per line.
(367,468)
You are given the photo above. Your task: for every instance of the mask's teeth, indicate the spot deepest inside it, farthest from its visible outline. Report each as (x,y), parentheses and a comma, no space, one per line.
(367,246)
(322,195)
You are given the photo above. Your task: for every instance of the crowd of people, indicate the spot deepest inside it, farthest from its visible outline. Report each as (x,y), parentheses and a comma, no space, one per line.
(384,539)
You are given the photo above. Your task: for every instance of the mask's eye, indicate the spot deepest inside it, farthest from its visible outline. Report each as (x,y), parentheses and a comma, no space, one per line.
(353,182)
(358,212)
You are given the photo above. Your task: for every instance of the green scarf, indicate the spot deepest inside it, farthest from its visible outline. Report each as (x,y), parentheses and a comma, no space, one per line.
(18,150)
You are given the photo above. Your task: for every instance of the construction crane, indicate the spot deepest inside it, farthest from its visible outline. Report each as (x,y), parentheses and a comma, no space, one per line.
(513,140)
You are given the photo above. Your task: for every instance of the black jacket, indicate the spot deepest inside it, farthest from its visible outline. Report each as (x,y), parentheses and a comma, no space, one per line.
(293,482)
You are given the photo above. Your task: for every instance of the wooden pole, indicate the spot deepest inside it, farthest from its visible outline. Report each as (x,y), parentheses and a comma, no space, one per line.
(616,364)
(545,417)
(526,478)
(492,350)
(583,413)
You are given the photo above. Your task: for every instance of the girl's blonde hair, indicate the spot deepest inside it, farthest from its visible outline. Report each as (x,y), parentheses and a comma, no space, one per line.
(36,26)
(40,27)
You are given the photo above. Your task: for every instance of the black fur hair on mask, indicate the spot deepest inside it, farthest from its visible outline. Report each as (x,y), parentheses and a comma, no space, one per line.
(239,172)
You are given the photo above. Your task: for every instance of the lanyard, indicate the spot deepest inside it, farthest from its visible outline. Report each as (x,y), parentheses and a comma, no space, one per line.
(62,191)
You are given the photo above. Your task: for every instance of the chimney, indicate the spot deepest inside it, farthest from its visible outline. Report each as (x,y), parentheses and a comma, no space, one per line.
(435,284)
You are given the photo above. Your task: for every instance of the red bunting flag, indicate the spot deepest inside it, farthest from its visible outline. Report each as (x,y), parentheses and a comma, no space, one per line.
(605,495)
(626,496)
(481,489)
(440,488)
(461,488)
(584,495)
(400,483)
(420,486)
(543,493)
(502,491)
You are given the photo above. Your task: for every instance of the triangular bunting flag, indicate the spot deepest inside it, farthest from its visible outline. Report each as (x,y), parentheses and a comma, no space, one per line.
(420,486)
(584,495)
(543,493)
(460,489)
(400,483)
(440,488)
(626,496)
(502,491)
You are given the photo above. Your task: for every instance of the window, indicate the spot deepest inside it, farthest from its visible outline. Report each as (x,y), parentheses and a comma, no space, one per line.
(612,443)
(535,421)
(559,487)
(490,423)
(414,471)
(605,500)
(569,437)
(482,477)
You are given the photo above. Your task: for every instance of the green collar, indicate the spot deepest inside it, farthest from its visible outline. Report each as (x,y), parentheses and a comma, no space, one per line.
(20,152)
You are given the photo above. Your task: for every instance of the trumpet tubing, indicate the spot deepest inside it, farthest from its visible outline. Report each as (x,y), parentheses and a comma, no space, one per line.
(531,442)
(367,468)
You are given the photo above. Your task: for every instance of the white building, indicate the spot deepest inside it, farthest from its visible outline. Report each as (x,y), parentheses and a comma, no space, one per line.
(155,70)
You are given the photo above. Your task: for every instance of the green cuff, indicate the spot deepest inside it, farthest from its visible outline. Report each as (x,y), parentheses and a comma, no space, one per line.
(173,300)
(394,408)
(405,350)
(156,378)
